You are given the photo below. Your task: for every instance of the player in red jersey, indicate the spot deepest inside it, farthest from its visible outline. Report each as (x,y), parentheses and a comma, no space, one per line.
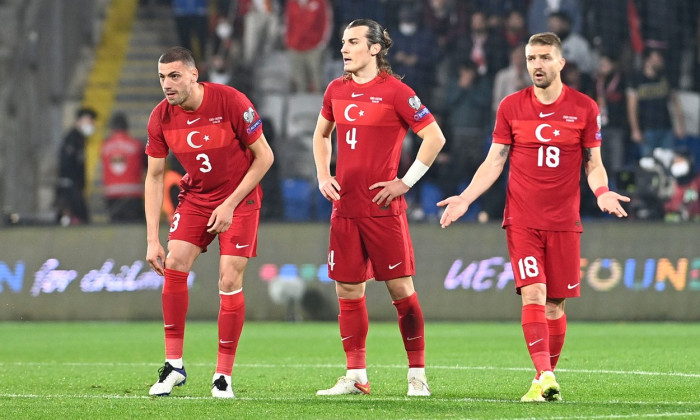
(548,130)
(216,134)
(369,238)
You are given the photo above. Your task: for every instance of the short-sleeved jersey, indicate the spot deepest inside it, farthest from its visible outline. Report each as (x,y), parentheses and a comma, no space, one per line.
(371,123)
(211,143)
(547,146)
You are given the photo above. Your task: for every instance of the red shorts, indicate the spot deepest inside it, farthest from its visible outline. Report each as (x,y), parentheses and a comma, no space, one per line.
(190,225)
(366,247)
(559,253)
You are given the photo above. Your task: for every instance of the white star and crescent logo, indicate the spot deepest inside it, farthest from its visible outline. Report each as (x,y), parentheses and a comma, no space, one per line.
(191,135)
(538,133)
(347,112)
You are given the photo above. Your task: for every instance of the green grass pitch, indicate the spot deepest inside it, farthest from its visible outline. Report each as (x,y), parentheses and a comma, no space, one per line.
(85,370)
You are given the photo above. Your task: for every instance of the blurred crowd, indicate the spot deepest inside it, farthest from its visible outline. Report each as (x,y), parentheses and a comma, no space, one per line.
(639,59)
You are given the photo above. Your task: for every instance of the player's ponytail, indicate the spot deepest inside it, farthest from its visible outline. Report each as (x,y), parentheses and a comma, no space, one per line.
(376,34)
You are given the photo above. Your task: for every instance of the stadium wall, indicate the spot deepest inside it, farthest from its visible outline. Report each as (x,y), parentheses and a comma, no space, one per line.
(630,272)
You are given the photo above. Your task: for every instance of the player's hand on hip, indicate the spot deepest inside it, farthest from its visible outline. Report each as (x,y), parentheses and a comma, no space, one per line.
(329,187)
(455,207)
(610,202)
(389,191)
(220,220)
(155,255)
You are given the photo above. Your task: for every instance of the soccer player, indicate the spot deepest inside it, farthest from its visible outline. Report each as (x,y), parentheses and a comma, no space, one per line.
(547,130)
(216,134)
(369,238)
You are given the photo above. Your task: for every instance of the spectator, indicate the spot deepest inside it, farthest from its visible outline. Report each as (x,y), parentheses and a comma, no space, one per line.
(415,53)
(70,201)
(511,34)
(573,77)
(479,46)
(512,78)
(610,96)
(191,24)
(684,204)
(539,11)
(576,48)
(648,98)
(308,28)
(261,28)
(448,20)
(607,27)
(123,165)
(468,111)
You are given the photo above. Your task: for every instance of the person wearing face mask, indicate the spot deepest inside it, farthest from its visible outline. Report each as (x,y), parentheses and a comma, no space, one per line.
(70,201)
(123,170)
(684,203)
(416,53)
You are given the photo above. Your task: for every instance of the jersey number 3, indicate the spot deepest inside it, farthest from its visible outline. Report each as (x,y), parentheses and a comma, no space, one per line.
(206,165)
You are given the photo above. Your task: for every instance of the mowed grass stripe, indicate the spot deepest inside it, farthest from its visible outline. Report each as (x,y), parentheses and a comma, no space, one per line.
(342,366)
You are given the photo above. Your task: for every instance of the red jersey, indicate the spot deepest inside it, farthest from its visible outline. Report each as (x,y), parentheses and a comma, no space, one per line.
(210,143)
(371,120)
(122,166)
(546,154)
(308,24)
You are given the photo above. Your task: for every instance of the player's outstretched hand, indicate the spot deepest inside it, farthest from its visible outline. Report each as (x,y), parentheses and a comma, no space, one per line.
(609,202)
(330,188)
(455,208)
(389,191)
(155,255)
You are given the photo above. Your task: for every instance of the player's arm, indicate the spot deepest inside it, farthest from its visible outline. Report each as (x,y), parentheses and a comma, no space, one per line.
(633,116)
(432,141)
(263,158)
(488,172)
(608,201)
(677,113)
(323,151)
(153,199)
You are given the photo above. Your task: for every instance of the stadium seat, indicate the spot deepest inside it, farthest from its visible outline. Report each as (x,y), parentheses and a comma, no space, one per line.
(297,199)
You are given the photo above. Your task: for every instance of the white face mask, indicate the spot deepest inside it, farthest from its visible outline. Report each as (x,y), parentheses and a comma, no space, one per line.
(408,28)
(87,129)
(224,29)
(680,169)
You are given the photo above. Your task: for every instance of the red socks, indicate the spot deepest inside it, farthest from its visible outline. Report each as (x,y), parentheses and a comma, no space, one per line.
(536,333)
(231,317)
(412,327)
(353,324)
(175,300)
(557,332)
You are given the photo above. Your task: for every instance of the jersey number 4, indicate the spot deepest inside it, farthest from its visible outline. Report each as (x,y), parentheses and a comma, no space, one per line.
(351,137)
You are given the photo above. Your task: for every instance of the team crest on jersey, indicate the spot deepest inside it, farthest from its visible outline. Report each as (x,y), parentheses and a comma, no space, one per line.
(414,102)
(249,115)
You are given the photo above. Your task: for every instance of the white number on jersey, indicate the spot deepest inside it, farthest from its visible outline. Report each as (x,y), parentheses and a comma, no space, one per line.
(548,156)
(350,137)
(176,220)
(331,256)
(206,165)
(528,267)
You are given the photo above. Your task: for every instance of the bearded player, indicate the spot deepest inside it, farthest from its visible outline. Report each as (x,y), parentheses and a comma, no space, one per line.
(548,130)
(372,110)
(215,133)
